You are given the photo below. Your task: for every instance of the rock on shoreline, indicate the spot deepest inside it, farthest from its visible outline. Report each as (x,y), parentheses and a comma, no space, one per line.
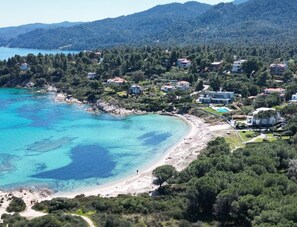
(116,110)
(63,98)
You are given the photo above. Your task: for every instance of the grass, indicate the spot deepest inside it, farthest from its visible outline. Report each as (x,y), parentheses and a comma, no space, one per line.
(247,135)
(122,93)
(234,141)
(88,214)
(258,140)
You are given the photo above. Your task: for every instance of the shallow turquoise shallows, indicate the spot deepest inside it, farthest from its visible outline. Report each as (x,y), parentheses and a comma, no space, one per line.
(61,146)
(6,53)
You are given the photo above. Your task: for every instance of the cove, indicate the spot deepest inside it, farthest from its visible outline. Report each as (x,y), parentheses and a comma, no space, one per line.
(65,148)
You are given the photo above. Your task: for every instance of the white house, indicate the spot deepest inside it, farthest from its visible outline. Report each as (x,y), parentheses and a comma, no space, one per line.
(277,69)
(237,66)
(167,87)
(215,66)
(269,117)
(182,85)
(91,75)
(183,63)
(135,89)
(24,67)
(294,98)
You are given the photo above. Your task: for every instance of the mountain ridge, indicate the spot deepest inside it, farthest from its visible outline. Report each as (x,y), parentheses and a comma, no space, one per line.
(7,33)
(189,23)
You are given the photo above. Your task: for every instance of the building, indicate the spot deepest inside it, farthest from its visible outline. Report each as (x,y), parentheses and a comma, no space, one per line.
(237,66)
(24,67)
(167,88)
(91,75)
(263,117)
(221,97)
(294,98)
(277,69)
(216,66)
(116,81)
(183,63)
(280,91)
(135,89)
(182,85)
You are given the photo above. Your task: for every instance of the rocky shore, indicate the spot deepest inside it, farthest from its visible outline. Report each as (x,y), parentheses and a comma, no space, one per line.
(115,109)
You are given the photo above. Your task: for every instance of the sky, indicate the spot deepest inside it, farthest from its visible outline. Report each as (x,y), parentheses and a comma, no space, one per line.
(18,12)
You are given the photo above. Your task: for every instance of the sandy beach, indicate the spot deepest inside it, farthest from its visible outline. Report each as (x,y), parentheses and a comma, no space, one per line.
(179,155)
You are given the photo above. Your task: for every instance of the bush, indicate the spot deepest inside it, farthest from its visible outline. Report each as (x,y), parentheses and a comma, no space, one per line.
(16,205)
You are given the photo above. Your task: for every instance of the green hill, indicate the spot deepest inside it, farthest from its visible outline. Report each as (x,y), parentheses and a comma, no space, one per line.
(255,21)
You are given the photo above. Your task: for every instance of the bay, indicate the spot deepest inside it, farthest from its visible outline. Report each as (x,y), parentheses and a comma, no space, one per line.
(65,148)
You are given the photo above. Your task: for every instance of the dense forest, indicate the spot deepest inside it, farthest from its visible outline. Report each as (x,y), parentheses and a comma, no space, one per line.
(255,186)
(255,21)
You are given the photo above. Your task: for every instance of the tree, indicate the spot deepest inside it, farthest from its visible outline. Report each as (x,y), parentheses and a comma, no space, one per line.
(292,171)
(251,65)
(164,173)
(215,82)
(16,205)
(199,86)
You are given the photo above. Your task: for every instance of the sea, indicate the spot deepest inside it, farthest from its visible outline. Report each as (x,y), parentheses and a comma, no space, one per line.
(65,148)
(6,52)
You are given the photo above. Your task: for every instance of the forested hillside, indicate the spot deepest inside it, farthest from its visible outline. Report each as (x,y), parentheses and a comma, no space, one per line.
(151,26)
(8,33)
(255,21)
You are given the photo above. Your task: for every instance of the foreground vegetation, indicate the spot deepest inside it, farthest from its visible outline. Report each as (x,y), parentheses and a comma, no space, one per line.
(255,185)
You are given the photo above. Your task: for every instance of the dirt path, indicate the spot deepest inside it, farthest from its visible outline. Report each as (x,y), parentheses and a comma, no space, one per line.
(88,220)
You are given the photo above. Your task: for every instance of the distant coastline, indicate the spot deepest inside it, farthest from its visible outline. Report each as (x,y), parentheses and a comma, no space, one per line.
(7,52)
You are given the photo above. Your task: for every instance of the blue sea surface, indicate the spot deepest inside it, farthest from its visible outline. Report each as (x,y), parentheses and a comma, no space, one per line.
(63,147)
(6,52)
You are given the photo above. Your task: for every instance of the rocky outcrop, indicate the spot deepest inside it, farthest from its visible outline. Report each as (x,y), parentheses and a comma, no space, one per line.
(64,98)
(115,109)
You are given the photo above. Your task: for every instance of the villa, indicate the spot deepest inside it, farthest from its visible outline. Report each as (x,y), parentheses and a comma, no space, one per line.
(91,75)
(135,89)
(294,98)
(237,66)
(263,117)
(215,66)
(116,81)
(279,91)
(277,69)
(220,97)
(183,63)
(167,88)
(24,67)
(182,85)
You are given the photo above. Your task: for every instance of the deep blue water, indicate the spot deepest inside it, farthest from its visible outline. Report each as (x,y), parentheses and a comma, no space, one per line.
(6,53)
(63,147)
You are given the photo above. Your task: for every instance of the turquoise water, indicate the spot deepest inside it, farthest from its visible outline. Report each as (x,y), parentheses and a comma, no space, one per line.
(6,53)
(222,110)
(61,146)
